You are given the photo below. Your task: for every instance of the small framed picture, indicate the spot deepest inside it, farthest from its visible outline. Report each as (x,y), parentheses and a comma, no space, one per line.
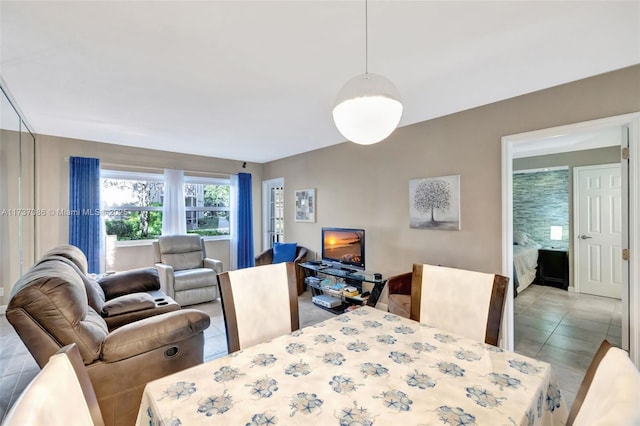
(306,205)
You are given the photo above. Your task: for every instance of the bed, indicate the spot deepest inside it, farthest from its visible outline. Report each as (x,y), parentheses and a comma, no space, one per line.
(525,260)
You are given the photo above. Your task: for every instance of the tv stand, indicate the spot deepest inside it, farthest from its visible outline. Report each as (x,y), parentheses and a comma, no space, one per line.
(349,277)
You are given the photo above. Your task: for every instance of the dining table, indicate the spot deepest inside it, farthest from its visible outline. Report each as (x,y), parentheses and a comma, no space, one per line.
(363,367)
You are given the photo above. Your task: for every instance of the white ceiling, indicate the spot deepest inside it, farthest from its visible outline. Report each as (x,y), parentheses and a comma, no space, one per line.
(256,81)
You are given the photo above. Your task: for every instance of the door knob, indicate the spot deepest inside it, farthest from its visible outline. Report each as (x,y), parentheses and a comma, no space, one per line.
(585,237)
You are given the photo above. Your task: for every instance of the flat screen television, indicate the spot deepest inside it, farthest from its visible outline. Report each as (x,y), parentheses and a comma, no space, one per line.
(343,247)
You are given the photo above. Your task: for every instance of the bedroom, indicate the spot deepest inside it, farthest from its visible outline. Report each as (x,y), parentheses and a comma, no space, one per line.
(553,322)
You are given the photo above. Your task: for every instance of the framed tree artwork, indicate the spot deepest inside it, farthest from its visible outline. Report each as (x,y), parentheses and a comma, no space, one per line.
(306,205)
(434,203)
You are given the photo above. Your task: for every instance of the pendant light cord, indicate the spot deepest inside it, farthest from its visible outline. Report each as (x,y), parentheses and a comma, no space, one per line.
(366,37)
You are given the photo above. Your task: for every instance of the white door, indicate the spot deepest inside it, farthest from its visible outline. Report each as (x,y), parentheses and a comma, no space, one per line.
(598,230)
(272,212)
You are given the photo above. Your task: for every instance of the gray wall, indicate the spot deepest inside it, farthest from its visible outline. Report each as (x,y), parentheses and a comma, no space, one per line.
(368,186)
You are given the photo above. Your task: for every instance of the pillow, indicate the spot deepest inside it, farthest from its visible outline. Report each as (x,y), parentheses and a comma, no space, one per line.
(284,252)
(520,238)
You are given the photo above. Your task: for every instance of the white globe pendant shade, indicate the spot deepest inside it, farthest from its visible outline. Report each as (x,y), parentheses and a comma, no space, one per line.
(368,109)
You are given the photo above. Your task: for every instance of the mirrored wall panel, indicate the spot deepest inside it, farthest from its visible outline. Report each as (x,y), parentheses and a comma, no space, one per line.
(17,196)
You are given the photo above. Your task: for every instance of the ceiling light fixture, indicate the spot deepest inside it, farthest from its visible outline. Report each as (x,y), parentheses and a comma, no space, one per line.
(368,107)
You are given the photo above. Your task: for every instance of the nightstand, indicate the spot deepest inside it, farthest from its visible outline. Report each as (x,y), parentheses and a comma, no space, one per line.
(553,267)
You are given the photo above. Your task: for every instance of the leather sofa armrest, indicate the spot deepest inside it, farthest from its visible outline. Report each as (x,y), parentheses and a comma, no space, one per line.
(132,281)
(302,255)
(264,258)
(152,333)
(128,303)
(165,273)
(400,284)
(214,264)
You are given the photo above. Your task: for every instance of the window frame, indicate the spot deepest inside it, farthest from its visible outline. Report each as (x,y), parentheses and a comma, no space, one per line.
(130,175)
(159,177)
(200,180)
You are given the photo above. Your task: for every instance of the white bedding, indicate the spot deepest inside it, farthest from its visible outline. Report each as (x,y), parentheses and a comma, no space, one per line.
(525,260)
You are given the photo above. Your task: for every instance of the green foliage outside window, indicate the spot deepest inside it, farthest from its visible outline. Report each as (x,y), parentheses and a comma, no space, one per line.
(143,225)
(216,195)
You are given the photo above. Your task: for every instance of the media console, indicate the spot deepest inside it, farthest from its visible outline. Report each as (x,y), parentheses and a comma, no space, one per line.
(344,287)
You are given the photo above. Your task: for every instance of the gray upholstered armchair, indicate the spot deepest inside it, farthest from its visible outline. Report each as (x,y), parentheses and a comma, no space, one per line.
(186,274)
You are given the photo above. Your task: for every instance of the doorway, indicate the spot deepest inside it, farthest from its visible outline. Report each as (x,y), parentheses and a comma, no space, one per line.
(563,139)
(272,212)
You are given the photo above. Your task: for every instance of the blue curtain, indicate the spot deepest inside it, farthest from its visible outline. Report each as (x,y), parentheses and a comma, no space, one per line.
(84,203)
(245,222)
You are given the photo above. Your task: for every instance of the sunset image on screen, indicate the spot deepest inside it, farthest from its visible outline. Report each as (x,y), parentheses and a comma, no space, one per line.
(344,246)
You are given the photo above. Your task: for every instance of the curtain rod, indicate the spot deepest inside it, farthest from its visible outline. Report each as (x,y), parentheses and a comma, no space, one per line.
(158,168)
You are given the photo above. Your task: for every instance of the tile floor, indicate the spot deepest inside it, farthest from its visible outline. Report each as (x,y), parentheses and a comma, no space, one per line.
(553,325)
(564,329)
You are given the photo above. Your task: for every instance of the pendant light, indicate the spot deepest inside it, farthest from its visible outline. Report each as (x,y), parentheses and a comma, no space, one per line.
(368,107)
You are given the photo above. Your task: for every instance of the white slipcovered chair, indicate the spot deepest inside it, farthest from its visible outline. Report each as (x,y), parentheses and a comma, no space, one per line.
(467,303)
(259,303)
(186,274)
(61,394)
(610,391)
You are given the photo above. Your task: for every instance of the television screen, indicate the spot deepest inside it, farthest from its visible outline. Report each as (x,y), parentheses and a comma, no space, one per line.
(343,245)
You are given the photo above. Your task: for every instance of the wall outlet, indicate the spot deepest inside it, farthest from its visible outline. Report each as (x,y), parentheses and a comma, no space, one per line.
(1,291)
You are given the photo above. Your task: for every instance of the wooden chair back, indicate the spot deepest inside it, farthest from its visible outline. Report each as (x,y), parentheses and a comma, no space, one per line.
(60,394)
(609,392)
(259,303)
(464,302)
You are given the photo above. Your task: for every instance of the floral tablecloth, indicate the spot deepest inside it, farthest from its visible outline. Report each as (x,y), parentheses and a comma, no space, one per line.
(365,367)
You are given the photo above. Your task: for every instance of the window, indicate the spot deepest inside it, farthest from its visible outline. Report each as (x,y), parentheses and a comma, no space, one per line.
(132,204)
(207,204)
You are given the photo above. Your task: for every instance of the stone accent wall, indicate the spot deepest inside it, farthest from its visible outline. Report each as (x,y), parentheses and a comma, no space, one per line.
(541,200)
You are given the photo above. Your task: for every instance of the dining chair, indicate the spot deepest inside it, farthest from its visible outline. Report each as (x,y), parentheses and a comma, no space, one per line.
(60,394)
(464,302)
(259,303)
(609,392)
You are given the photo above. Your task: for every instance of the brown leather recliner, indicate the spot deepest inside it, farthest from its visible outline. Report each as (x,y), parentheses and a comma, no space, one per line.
(399,298)
(120,298)
(49,309)
(266,258)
